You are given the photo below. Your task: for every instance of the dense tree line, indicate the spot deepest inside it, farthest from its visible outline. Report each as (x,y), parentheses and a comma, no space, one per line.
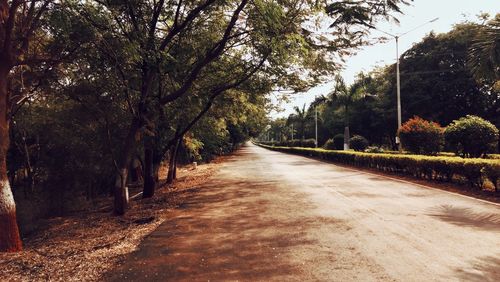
(443,78)
(90,88)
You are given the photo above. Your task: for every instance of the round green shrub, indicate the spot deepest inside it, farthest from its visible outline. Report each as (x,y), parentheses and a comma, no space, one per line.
(471,136)
(421,136)
(338,142)
(358,143)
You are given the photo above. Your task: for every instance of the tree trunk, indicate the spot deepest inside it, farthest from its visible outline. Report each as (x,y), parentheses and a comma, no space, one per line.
(149,175)
(10,240)
(120,190)
(171,162)
(156,172)
(175,158)
(170,173)
(346,129)
(346,138)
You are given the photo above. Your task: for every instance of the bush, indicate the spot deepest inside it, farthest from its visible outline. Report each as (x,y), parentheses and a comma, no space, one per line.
(269,143)
(329,145)
(308,143)
(358,143)
(294,143)
(338,142)
(420,136)
(451,169)
(374,149)
(471,136)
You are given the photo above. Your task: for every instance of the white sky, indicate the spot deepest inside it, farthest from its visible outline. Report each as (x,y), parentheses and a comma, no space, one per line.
(449,12)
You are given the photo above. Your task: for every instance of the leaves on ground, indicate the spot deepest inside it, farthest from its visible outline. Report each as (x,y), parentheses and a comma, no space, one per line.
(83,246)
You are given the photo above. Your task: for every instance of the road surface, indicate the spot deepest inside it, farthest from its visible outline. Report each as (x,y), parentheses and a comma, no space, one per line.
(269,216)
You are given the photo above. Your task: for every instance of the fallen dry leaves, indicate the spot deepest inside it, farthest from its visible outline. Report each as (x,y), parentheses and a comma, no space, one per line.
(83,246)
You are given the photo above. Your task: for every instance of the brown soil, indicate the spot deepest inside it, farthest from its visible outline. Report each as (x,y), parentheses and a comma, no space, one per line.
(82,246)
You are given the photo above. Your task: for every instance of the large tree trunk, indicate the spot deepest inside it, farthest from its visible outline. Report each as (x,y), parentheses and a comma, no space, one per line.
(10,240)
(149,174)
(120,190)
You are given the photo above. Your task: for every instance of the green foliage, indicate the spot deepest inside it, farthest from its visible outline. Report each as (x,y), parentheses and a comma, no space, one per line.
(472,136)
(420,136)
(338,141)
(374,149)
(300,118)
(358,143)
(484,54)
(294,143)
(452,169)
(68,156)
(308,143)
(193,148)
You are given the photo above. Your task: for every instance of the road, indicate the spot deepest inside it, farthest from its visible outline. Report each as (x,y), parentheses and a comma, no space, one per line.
(269,216)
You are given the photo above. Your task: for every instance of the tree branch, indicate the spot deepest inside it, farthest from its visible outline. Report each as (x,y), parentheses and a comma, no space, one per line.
(211,55)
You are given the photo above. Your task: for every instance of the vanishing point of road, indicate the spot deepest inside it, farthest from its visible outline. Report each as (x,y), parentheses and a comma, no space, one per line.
(269,216)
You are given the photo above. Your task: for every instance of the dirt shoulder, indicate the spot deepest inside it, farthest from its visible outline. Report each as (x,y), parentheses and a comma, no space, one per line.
(83,246)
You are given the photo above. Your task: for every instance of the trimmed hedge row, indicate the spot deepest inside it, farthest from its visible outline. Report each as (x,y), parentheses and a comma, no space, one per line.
(449,169)
(305,143)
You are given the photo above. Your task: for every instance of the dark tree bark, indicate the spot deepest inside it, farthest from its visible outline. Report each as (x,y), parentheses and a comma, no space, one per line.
(171,162)
(176,158)
(120,189)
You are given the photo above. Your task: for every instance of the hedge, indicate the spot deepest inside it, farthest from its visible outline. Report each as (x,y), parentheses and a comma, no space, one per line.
(305,143)
(448,169)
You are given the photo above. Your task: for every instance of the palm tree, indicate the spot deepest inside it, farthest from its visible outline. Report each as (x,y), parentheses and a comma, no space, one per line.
(300,116)
(346,96)
(484,54)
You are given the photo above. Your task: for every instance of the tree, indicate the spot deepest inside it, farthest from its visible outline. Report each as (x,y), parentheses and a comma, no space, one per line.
(346,96)
(421,136)
(19,25)
(484,54)
(472,136)
(154,54)
(301,118)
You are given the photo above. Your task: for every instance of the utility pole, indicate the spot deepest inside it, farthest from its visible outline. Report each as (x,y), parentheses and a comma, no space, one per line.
(316,123)
(398,84)
(292,130)
(398,87)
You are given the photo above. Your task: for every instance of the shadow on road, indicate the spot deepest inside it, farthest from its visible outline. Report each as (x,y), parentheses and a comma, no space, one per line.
(224,230)
(489,267)
(466,217)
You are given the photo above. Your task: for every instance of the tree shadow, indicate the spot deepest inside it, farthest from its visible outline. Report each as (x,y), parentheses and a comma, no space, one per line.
(487,269)
(225,230)
(466,217)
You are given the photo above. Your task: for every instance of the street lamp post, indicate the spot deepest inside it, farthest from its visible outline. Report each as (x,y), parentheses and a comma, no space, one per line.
(398,91)
(316,124)
(398,83)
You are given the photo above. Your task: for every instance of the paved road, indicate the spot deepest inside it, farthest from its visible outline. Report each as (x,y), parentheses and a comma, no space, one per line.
(271,216)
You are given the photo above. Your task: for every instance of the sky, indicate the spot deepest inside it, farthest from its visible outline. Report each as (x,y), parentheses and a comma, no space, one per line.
(417,13)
